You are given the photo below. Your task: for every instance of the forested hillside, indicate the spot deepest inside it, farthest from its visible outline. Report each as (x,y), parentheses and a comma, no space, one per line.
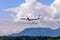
(29,38)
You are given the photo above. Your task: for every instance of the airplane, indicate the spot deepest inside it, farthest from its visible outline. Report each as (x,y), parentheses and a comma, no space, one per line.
(30,19)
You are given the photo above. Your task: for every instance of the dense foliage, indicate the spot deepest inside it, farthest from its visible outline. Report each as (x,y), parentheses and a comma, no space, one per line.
(28,38)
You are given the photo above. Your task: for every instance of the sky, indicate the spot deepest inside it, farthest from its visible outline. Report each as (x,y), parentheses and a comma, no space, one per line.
(12,10)
(15,3)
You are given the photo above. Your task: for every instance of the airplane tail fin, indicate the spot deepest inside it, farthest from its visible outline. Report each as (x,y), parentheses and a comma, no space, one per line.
(39,17)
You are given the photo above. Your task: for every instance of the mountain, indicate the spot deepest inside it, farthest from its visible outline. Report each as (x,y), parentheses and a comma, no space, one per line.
(38,32)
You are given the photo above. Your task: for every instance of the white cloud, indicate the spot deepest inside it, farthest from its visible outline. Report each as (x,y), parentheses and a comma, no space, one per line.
(50,16)
(8,27)
(56,6)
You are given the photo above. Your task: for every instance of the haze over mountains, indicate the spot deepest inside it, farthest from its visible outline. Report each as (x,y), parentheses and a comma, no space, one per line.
(38,32)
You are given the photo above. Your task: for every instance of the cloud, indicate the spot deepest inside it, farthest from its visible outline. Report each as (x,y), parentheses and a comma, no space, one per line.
(50,16)
(56,6)
(8,27)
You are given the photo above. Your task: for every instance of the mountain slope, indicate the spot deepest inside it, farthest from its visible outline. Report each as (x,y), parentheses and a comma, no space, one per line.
(38,32)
